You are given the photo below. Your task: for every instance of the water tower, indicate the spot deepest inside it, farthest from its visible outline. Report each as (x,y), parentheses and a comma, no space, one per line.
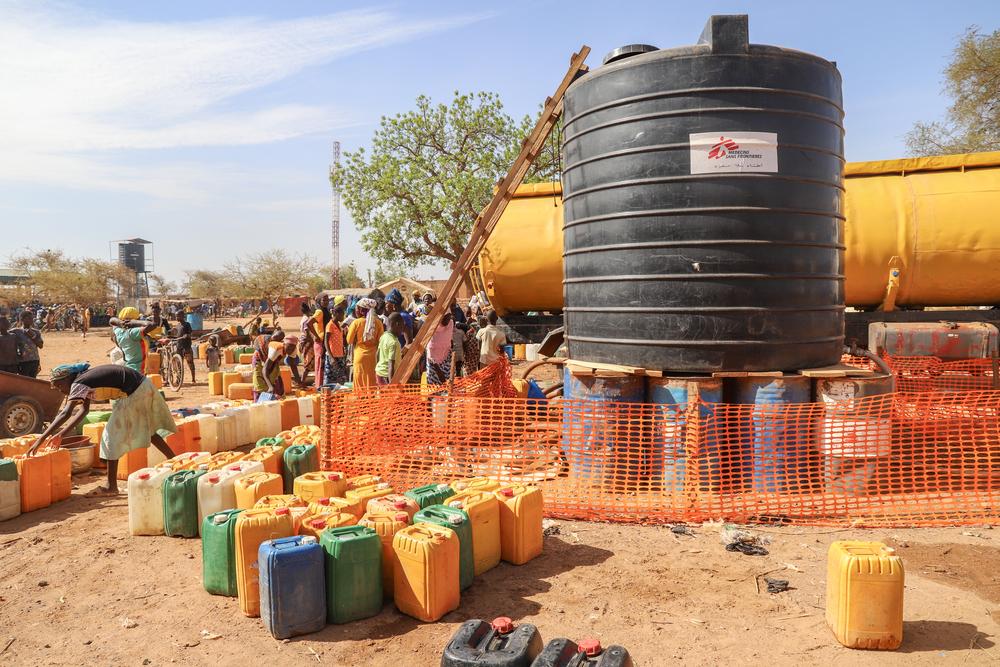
(136,255)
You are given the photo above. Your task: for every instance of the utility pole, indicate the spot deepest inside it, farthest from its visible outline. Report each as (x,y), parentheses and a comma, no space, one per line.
(335,219)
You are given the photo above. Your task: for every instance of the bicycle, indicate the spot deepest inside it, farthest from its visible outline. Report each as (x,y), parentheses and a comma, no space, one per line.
(171,364)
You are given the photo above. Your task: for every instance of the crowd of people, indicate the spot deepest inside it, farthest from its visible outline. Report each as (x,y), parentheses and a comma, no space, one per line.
(363,340)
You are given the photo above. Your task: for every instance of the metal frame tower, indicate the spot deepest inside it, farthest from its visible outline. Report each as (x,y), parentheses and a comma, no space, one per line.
(335,219)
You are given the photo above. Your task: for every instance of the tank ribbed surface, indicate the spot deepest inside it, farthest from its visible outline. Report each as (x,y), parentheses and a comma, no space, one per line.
(703,224)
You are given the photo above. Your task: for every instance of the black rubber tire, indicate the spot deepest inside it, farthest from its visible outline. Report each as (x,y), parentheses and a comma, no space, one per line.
(175,372)
(20,415)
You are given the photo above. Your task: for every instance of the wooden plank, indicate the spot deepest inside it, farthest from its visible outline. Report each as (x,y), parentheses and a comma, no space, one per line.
(748,374)
(488,218)
(836,371)
(598,366)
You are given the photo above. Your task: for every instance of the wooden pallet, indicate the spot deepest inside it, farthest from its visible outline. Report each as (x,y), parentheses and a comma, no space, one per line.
(580,368)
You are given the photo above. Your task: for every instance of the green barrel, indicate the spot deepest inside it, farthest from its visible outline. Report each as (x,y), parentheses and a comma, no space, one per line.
(298,460)
(180,503)
(218,554)
(270,442)
(458,521)
(8,470)
(353,556)
(432,494)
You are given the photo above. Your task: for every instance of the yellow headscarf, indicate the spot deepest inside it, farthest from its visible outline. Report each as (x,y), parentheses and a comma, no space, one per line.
(128,313)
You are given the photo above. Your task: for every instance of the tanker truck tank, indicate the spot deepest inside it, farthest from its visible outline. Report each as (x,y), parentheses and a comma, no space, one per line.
(920,233)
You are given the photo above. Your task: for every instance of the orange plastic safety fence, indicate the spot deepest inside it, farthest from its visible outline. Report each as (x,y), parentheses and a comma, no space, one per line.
(901,459)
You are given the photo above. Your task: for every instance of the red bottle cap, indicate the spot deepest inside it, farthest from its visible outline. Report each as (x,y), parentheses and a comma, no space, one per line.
(235,468)
(282,511)
(589,646)
(213,479)
(503,625)
(400,504)
(508,492)
(402,516)
(144,475)
(323,501)
(317,523)
(333,477)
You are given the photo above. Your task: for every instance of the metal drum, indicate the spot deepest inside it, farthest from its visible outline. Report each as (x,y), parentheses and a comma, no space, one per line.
(600,434)
(677,400)
(855,432)
(702,203)
(777,450)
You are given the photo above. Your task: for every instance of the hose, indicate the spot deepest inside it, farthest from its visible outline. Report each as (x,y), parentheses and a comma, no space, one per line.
(856,351)
(555,361)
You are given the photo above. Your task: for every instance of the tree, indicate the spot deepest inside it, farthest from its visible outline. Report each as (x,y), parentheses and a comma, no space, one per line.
(270,275)
(203,284)
(429,173)
(55,277)
(972,80)
(390,271)
(161,286)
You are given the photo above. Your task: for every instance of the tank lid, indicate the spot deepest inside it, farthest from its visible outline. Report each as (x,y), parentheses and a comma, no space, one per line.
(220,518)
(333,476)
(316,523)
(589,646)
(402,516)
(456,503)
(443,487)
(627,51)
(727,33)
(144,475)
(455,520)
(503,624)
(282,511)
(323,501)
(400,504)
(213,478)
(307,539)
(507,492)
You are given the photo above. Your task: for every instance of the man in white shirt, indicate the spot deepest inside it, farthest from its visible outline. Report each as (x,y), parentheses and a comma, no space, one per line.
(491,340)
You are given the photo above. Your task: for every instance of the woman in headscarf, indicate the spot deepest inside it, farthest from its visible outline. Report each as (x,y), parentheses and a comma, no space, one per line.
(335,368)
(363,334)
(130,335)
(268,354)
(318,323)
(439,352)
(140,418)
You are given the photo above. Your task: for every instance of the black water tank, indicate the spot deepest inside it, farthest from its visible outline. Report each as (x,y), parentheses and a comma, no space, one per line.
(703,208)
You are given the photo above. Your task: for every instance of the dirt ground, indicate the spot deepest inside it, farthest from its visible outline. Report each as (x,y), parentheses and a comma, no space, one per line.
(76,588)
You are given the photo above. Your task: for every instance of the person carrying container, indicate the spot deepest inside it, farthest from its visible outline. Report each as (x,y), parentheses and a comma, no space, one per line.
(130,332)
(139,419)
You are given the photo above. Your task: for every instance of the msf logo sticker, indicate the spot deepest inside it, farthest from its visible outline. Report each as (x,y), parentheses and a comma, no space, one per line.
(722,148)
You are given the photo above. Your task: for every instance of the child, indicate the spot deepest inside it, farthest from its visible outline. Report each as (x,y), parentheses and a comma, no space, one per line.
(458,347)
(212,357)
(389,351)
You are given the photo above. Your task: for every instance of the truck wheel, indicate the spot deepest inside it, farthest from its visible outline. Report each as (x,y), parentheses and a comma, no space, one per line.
(20,415)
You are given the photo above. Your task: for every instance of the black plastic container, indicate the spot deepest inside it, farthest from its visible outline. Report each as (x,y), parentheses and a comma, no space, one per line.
(588,653)
(703,216)
(497,644)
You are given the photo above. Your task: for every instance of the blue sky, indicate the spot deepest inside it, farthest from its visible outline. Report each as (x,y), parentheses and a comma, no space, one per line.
(206,126)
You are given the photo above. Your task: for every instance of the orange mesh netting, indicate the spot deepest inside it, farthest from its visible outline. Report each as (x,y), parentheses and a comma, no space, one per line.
(928,455)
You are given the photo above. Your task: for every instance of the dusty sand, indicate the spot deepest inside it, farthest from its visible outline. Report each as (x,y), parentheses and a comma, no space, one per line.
(72,578)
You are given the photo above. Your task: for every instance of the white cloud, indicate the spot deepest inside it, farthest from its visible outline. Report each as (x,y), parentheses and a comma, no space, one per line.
(81,91)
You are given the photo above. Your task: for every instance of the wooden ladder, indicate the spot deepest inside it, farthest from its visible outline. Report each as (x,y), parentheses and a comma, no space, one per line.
(487,219)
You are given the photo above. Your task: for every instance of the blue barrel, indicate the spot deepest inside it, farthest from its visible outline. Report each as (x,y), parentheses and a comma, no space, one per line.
(509,351)
(196,322)
(776,444)
(672,396)
(600,435)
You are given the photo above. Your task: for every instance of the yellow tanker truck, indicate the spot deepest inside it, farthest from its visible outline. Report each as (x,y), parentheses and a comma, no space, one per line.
(921,233)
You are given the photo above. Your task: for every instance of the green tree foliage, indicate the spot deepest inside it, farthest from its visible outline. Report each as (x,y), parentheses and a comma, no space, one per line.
(430,171)
(269,275)
(972,81)
(390,271)
(204,284)
(56,277)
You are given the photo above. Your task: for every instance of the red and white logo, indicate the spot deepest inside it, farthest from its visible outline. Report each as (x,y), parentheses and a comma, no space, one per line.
(722,148)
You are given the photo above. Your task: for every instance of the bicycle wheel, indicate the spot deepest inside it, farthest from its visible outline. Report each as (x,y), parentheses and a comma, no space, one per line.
(175,373)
